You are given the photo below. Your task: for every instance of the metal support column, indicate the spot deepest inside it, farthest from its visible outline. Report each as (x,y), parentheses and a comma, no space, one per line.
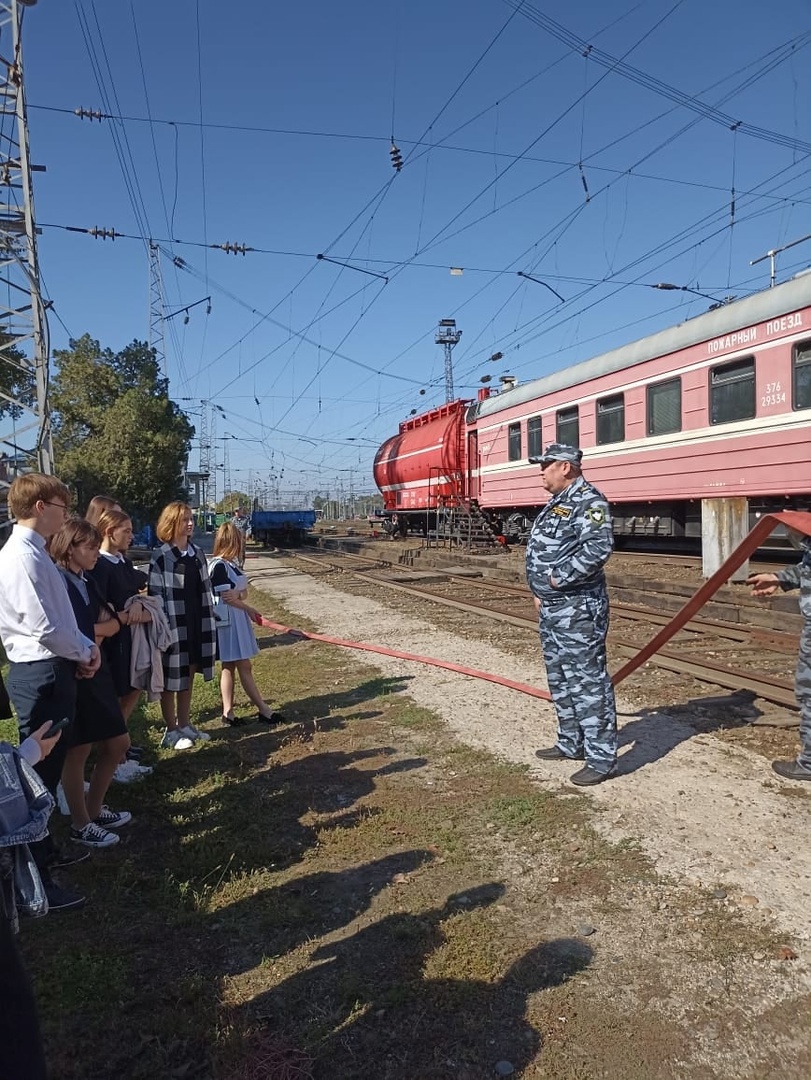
(24,344)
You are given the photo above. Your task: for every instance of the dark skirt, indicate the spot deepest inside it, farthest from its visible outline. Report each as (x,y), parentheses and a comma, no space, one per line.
(193,609)
(117,652)
(98,714)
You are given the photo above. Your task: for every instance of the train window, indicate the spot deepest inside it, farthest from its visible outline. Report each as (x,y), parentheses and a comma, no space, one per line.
(802,375)
(664,407)
(732,391)
(534,437)
(514,442)
(611,419)
(567,426)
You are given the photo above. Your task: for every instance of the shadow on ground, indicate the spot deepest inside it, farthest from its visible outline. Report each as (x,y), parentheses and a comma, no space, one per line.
(652,733)
(366,1007)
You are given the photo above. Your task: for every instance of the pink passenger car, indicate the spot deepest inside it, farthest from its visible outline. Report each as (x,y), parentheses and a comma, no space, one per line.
(716,408)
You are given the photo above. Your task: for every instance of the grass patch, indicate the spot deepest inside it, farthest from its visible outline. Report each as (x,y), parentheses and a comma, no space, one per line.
(9,732)
(536,810)
(355,894)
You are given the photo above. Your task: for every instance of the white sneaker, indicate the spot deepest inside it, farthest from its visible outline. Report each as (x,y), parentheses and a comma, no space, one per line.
(195,734)
(62,802)
(176,740)
(129,772)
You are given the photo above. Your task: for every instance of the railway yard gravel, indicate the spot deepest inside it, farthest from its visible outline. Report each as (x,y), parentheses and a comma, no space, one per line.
(705,810)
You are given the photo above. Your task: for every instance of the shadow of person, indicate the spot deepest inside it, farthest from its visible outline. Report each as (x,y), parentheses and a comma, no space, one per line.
(321,712)
(323,704)
(277,640)
(653,733)
(258,821)
(278,920)
(369,1008)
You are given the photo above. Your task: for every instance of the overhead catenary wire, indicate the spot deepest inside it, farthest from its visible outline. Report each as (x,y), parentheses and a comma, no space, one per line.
(650,82)
(578,209)
(109,97)
(168,218)
(309,256)
(476,64)
(659,22)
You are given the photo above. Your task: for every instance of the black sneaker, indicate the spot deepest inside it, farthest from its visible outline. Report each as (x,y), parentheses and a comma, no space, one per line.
(554,753)
(135,753)
(62,899)
(93,836)
(68,857)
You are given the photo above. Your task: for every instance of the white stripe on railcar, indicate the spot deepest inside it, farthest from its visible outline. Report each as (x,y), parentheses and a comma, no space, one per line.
(651,380)
(678,440)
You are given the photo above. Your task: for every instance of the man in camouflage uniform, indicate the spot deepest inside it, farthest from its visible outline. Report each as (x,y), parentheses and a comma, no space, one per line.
(794,577)
(568,547)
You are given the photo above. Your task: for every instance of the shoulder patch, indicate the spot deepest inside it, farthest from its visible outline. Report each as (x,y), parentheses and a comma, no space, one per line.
(596,515)
(562,511)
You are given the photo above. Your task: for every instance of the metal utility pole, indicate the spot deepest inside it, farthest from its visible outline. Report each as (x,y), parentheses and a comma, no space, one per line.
(156,308)
(205,454)
(448,336)
(24,344)
(226,468)
(771,255)
(211,460)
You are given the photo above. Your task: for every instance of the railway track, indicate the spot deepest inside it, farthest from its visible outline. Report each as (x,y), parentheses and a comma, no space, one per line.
(767,653)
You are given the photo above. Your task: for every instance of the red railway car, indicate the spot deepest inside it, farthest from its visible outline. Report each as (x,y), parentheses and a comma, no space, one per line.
(677,428)
(424,466)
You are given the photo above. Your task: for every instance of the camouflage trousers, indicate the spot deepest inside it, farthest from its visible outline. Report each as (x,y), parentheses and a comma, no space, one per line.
(802,688)
(573,632)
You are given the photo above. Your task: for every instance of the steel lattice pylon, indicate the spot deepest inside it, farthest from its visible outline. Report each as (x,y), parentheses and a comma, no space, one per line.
(24,343)
(156,312)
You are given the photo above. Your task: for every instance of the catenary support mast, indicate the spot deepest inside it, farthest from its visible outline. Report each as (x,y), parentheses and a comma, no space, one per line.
(24,344)
(156,308)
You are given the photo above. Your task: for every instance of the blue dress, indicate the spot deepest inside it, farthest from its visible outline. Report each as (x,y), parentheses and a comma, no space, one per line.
(236,641)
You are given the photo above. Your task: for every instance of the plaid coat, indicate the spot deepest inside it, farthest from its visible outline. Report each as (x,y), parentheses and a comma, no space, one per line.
(166,582)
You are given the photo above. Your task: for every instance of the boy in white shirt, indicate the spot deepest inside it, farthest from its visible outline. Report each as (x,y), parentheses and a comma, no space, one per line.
(45,648)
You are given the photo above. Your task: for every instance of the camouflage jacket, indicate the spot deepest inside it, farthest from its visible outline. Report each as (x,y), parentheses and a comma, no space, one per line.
(570,542)
(799,577)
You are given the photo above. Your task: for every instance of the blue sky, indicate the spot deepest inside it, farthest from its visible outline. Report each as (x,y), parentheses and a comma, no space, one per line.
(271,127)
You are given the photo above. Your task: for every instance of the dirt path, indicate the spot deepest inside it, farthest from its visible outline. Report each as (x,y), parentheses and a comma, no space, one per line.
(703,811)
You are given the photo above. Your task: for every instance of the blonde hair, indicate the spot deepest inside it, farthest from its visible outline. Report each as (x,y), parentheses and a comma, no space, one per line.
(169,521)
(229,543)
(98,505)
(75,531)
(110,520)
(27,490)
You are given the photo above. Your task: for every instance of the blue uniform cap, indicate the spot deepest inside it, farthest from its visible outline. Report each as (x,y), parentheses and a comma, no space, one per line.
(559,452)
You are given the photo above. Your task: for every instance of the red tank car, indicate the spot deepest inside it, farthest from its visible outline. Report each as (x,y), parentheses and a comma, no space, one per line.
(423,465)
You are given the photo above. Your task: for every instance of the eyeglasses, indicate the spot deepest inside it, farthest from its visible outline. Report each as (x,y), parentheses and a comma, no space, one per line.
(61,506)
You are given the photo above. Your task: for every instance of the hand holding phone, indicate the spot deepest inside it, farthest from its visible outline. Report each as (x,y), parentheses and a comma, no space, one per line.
(47,736)
(56,727)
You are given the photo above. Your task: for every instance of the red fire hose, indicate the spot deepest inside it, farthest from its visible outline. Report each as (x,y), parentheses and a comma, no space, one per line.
(524,688)
(800,521)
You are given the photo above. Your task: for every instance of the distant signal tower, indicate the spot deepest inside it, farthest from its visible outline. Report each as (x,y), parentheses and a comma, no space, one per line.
(448,337)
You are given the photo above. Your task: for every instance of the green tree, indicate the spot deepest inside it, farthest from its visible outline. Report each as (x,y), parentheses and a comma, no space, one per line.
(16,379)
(116,431)
(234,500)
